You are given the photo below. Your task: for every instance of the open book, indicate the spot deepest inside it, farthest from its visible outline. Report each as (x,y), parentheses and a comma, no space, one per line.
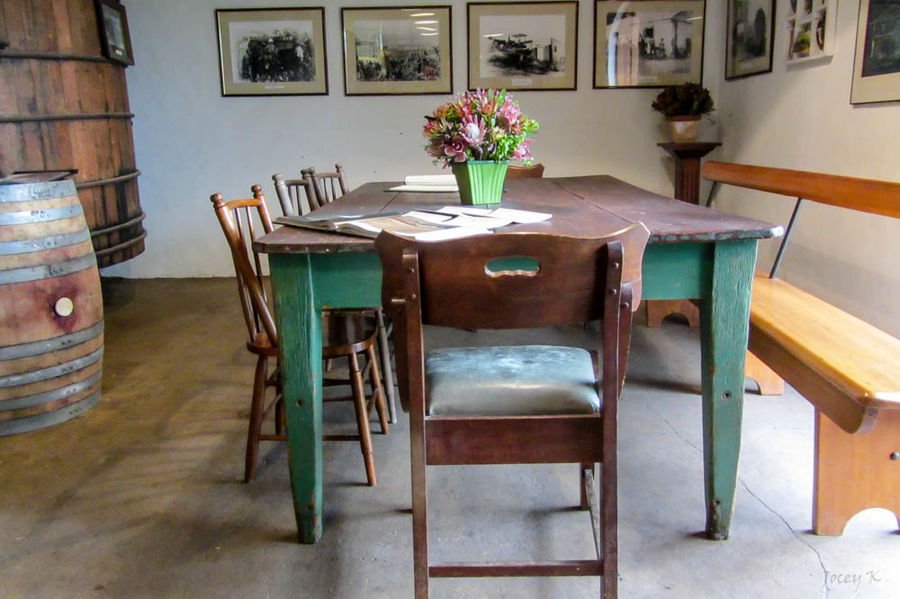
(426,183)
(449,222)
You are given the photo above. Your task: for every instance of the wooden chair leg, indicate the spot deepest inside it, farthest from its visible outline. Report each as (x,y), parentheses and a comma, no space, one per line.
(767,379)
(609,525)
(584,504)
(378,390)
(384,348)
(855,472)
(362,418)
(257,407)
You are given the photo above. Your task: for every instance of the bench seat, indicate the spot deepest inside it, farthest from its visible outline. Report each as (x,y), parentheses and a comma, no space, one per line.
(859,360)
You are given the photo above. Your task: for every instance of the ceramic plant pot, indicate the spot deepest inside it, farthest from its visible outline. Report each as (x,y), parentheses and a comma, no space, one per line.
(684,128)
(480,181)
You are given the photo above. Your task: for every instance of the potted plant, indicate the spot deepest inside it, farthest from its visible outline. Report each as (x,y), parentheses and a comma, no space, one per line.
(476,134)
(683,105)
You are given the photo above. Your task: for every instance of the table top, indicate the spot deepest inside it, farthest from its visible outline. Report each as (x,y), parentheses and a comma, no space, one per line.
(581,206)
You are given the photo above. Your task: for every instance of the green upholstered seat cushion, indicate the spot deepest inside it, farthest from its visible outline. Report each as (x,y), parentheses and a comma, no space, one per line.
(510,381)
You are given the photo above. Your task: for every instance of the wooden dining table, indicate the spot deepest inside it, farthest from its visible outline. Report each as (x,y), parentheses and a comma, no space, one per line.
(694,253)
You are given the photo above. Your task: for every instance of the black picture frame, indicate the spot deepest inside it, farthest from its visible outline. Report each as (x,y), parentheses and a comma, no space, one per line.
(749,39)
(648,43)
(414,66)
(115,39)
(546,31)
(277,51)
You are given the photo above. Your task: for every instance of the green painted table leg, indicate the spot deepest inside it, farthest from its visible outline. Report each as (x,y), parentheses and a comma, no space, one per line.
(300,342)
(724,321)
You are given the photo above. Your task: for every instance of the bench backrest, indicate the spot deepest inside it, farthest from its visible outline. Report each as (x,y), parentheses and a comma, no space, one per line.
(866,195)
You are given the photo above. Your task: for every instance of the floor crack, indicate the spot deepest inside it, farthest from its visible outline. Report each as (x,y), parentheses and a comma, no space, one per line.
(793,532)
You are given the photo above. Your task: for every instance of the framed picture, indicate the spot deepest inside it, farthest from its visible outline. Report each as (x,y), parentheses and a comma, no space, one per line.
(876,68)
(523,45)
(390,51)
(749,38)
(272,51)
(113,25)
(648,43)
(811,29)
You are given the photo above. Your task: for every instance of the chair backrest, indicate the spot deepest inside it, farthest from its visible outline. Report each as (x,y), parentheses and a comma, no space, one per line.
(327,186)
(236,219)
(534,171)
(508,281)
(297,196)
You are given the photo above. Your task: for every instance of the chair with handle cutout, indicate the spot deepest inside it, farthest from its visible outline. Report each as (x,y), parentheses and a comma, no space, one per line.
(522,404)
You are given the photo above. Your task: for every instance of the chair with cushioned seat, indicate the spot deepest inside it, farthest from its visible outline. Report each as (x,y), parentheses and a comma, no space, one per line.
(344,334)
(515,404)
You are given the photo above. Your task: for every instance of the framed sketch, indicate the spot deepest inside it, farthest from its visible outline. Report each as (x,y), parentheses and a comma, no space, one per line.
(272,51)
(113,25)
(650,43)
(811,29)
(749,37)
(876,68)
(390,51)
(523,45)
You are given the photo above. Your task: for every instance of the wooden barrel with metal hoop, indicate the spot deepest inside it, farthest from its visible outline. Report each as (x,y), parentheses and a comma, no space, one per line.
(51,308)
(66,107)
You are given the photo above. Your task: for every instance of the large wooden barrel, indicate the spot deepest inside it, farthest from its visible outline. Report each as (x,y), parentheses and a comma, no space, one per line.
(51,308)
(65,106)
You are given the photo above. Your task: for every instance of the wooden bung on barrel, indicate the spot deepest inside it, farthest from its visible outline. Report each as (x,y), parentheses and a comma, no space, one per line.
(51,308)
(64,105)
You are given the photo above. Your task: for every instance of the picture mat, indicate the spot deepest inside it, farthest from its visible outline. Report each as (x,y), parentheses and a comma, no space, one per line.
(361,22)
(743,65)
(233,25)
(876,88)
(655,75)
(539,22)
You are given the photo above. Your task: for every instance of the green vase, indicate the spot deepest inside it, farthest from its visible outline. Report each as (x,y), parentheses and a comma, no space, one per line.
(480,181)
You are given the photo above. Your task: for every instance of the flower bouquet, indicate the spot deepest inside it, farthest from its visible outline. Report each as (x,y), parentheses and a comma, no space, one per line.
(476,134)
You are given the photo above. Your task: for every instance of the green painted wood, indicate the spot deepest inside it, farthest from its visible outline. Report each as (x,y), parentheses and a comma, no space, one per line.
(724,323)
(300,343)
(676,270)
(719,273)
(347,280)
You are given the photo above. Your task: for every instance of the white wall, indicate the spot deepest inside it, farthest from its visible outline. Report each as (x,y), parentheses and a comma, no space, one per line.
(191,142)
(800,117)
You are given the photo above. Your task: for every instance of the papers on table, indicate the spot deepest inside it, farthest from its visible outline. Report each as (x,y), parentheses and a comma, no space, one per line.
(449,222)
(428,183)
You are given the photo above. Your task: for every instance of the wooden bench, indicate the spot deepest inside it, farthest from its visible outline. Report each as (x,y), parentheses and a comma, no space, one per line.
(848,369)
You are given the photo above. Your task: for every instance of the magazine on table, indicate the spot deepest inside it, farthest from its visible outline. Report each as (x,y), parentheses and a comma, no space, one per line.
(449,222)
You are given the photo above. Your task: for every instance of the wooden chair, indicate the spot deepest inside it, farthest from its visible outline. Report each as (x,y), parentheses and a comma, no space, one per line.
(291,193)
(297,196)
(343,335)
(534,171)
(503,405)
(327,186)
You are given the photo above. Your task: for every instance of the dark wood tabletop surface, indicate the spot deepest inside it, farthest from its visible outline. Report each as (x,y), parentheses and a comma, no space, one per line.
(581,206)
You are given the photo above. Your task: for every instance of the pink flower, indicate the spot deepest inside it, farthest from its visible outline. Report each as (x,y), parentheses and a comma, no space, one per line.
(455,150)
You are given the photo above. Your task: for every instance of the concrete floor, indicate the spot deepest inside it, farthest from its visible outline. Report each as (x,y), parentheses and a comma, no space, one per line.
(141,497)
